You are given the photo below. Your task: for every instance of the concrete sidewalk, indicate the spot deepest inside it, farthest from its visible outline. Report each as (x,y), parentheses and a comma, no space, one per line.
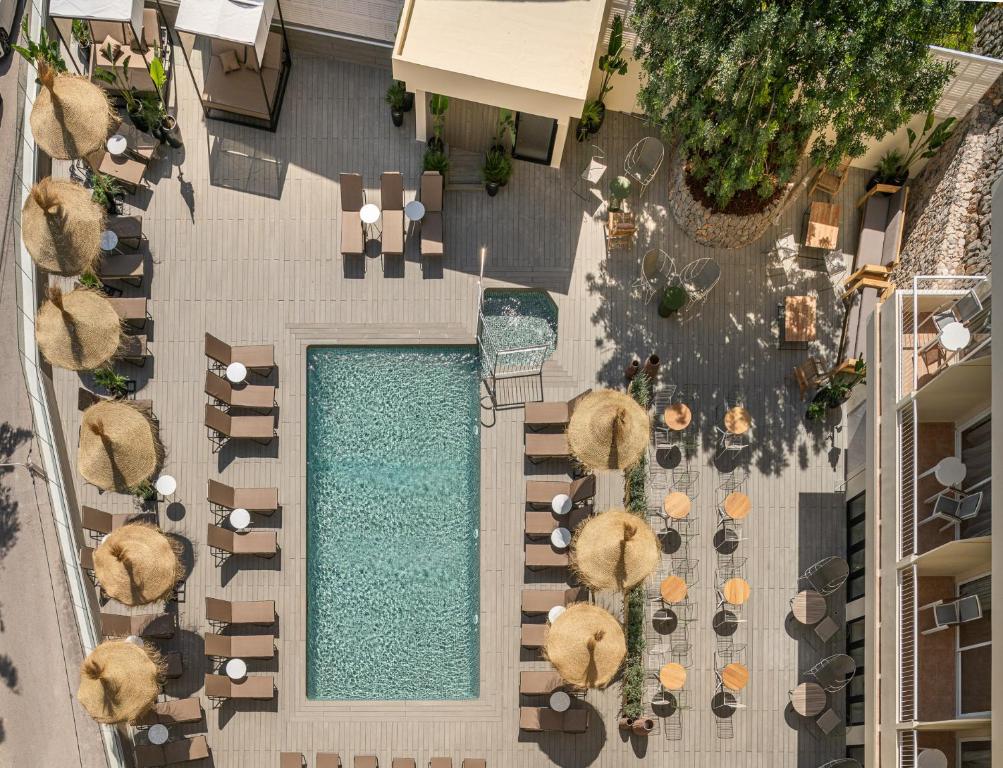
(41,723)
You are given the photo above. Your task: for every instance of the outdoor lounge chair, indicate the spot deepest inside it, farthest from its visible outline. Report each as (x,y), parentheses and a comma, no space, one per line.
(882,224)
(556,414)
(131,311)
(86,556)
(239,646)
(392,205)
(172,712)
(835,672)
(255,357)
(86,398)
(474,762)
(328,760)
(809,375)
(403,762)
(366,761)
(126,267)
(539,683)
(962,310)
(546,719)
(432,229)
(532,635)
(541,493)
(545,556)
(223,427)
(257,396)
(219,612)
(699,277)
(291,760)
(129,230)
(225,542)
(539,525)
(179,751)
(827,575)
(440,762)
(261,500)
(353,238)
(174,665)
(643,162)
(148,625)
(261,687)
(540,446)
(960,611)
(98,521)
(133,350)
(536,601)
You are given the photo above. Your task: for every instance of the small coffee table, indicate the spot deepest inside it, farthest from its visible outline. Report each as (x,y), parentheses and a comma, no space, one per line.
(672,676)
(823,225)
(808,699)
(737,420)
(236,669)
(955,336)
(415,210)
(109,240)
(166,485)
(560,538)
(236,373)
(677,417)
(799,319)
(560,701)
(240,518)
(808,607)
(561,504)
(676,505)
(736,591)
(554,613)
(737,505)
(673,589)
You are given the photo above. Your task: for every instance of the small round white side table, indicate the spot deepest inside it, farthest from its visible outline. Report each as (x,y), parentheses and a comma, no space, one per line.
(236,373)
(955,336)
(116,144)
(415,210)
(109,240)
(561,504)
(236,669)
(950,471)
(157,734)
(560,538)
(166,485)
(240,518)
(554,613)
(560,701)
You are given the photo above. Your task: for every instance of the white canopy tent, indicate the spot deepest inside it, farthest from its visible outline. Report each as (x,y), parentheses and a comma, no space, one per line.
(246,65)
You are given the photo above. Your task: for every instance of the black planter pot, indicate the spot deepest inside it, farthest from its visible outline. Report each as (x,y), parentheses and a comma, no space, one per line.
(85,51)
(397,116)
(170,133)
(582,132)
(897,181)
(408,102)
(138,120)
(436,144)
(492,188)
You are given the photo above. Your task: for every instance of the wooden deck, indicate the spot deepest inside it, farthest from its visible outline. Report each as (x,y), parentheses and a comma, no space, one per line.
(245,246)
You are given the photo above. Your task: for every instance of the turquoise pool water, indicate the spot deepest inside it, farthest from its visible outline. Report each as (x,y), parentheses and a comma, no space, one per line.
(393,505)
(514,318)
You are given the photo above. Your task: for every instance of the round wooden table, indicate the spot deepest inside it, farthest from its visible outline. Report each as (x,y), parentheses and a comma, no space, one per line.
(676,505)
(808,607)
(677,416)
(737,505)
(736,591)
(672,676)
(808,699)
(673,589)
(735,677)
(737,420)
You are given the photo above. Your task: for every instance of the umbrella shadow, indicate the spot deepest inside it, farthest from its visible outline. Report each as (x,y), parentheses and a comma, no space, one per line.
(191,646)
(572,750)
(235,563)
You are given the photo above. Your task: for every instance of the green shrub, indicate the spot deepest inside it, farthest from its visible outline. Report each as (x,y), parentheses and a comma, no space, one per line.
(435,160)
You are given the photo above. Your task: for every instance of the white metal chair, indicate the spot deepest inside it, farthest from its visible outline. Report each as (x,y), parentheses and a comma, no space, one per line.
(732,481)
(784,260)
(699,277)
(653,264)
(827,575)
(643,161)
(835,672)
(729,442)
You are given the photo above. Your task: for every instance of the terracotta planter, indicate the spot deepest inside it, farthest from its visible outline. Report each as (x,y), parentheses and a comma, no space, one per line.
(632,369)
(643,726)
(626,723)
(651,366)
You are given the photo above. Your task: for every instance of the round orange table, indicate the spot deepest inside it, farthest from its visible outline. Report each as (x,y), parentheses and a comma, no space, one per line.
(737,505)
(677,416)
(672,676)
(736,591)
(735,677)
(676,505)
(737,420)
(673,589)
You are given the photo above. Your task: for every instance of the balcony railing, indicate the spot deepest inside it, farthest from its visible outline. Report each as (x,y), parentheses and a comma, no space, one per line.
(907,644)
(907,459)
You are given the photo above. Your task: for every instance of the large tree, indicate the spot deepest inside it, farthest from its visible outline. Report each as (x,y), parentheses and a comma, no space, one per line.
(745,87)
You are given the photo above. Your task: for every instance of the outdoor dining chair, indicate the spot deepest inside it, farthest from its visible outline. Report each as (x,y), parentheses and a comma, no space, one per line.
(699,277)
(960,611)
(685,480)
(783,260)
(841,762)
(729,442)
(653,264)
(955,507)
(643,161)
(732,481)
(835,672)
(827,575)
(960,311)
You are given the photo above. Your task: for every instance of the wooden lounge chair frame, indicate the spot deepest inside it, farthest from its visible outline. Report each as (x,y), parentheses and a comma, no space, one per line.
(255,357)
(223,543)
(222,427)
(223,497)
(219,689)
(235,612)
(256,397)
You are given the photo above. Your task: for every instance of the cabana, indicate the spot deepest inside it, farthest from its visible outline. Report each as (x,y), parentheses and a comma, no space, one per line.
(246,64)
(127,26)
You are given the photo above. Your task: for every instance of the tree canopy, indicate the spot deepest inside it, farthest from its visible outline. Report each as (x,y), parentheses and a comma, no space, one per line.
(745,87)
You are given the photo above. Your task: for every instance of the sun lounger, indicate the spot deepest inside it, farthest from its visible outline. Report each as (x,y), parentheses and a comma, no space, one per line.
(86,398)
(222,427)
(539,525)
(174,665)
(546,446)
(128,228)
(151,625)
(126,169)
(260,687)
(545,556)
(328,760)
(255,357)
(440,762)
(131,310)
(180,751)
(392,205)
(546,719)
(552,414)
(86,555)
(353,240)
(539,683)
(431,223)
(239,646)
(541,493)
(536,601)
(172,712)
(403,762)
(133,350)
(291,760)
(127,267)
(260,543)
(474,762)
(264,501)
(533,635)
(99,521)
(366,761)
(257,396)
(260,612)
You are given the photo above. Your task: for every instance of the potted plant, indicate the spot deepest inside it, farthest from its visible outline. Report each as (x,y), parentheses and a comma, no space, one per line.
(104,188)
(395,98)
(613,62)
(893,168)
(90,280)
(836,392)
(134,107)
(589,122)
(497,170)
(81,32)
(504,128)
(44,50)
(145,493)
(619,190)
(674,298)
(163,125)
(435,160)
(115,384)
(438,105)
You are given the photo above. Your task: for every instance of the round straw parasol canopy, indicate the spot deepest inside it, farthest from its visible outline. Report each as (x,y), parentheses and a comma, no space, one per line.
(79,330)
(119,681)
(61,227)
(586,646)
(614,550)
(608,430)
(71,117)
(119,446)
(137,564)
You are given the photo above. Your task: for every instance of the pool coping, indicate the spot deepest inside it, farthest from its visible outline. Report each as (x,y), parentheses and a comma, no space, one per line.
(295,704)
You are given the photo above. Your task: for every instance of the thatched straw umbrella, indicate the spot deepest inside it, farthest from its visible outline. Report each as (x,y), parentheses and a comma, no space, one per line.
(119,446)
(614,550)
(586,646)
(79,330)
(71,117)
(608,430)
(138,564)
(61,227)
(119,681)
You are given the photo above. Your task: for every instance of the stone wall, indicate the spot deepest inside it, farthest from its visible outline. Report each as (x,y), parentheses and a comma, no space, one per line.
(948,219)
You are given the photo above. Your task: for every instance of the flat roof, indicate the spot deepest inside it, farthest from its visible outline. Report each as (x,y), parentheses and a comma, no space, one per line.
(541,46)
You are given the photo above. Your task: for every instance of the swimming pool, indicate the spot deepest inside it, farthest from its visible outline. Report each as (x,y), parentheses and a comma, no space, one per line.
(393,505)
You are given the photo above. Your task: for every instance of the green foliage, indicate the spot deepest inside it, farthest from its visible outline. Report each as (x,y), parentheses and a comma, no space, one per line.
(640,389)
(589,122)
(145,491)
(438,104)
(746,87)
(674,298)
(836,392)
(44,50)
(889,165)
(90,280)
(114,383)
(613,62)
(497,167)
(963,38)
(436,160)
(118,76)
(505,127)
(81,32)
(104,188)
(158,75)
(619,190)
(396,95)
